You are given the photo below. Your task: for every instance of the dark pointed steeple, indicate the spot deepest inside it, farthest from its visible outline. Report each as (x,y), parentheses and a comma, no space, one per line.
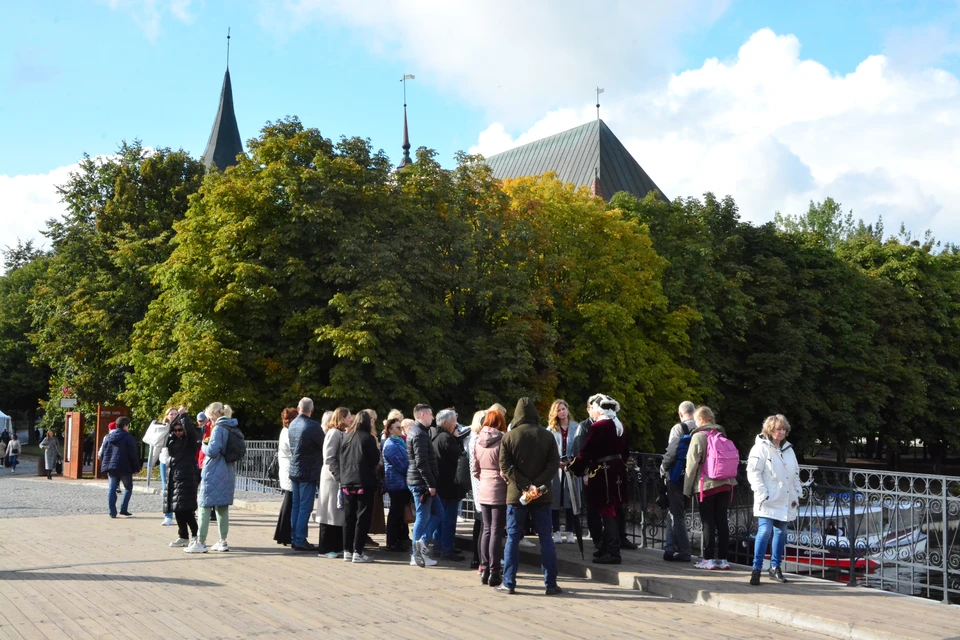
(224,144)
(406,161)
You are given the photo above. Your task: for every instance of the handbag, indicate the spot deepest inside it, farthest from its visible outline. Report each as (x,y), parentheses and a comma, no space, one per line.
(273,469)
(59,465)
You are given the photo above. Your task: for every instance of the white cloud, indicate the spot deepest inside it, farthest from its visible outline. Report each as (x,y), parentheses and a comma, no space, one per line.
(775,131)
(27,202)
(148,14)
(516,59)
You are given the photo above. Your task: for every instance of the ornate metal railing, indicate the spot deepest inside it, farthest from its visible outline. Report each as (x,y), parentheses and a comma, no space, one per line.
(893,531)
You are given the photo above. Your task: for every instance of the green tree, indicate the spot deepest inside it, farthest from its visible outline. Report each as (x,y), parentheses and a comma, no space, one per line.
(117,228)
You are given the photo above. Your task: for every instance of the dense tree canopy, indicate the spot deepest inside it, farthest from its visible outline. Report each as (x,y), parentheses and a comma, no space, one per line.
(315,268)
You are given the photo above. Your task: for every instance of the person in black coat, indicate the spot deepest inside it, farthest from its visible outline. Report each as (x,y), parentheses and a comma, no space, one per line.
(359,460)
(449,450)
(181,497)
(306,459)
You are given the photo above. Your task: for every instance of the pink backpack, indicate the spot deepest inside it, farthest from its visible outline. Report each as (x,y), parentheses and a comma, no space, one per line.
(722,460)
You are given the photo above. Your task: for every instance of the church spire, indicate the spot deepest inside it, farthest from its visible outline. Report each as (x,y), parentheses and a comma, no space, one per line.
(224,144)
(406,161)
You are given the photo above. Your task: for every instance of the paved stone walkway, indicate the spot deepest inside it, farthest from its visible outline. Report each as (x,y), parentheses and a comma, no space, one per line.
(87,576)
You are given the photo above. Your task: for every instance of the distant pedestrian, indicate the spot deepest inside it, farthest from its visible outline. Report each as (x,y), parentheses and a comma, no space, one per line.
(13,452)
(672,467)
(180,497)
(774,476)
(529,460)
(3,453)
(714,495)
(329,503)
(306,459)
(356,472)
(51,451)
(217,479)
(120,461)
(283,533)
(88,444)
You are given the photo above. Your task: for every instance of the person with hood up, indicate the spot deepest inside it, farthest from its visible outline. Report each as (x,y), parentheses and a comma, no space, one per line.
(490,495)
(714,496)
(218,479)
(120,461)
(180,495)
(774,476)
(602,460)
(529,460)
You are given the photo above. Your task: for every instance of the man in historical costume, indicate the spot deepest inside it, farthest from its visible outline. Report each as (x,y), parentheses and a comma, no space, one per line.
(602,460)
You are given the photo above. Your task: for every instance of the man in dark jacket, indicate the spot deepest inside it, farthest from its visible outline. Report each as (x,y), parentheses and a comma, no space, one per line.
(422,475)
(306,458)
(529,459)
(120,461)
(677,546)
(449,450)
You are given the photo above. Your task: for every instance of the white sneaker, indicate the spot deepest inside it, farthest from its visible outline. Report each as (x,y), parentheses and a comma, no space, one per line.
(413,561)
(199,547)
(461,519)
(557,538)
(526,544)
(722,565)
(361,558)
(220,546)
(428,561)
(569,537)
(707,565)
(167,522)
(180,542)
(348,556)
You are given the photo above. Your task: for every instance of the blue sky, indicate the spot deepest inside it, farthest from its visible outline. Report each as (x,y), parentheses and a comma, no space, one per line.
(81,76)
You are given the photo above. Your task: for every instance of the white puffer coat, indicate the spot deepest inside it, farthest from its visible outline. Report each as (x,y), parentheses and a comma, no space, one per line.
(774,476)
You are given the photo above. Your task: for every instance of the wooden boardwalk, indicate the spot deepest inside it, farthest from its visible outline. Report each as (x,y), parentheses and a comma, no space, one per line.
(93,577)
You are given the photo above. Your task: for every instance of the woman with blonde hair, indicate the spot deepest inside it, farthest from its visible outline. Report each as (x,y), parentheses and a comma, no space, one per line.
(564,429)
(356,471)
(774,476)
(217,479)
(329,506)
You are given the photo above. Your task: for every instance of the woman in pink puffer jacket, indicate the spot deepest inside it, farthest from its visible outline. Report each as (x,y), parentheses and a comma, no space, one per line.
(491,496)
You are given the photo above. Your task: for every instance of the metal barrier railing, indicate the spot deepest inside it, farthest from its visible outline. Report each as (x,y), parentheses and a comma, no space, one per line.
(893,531)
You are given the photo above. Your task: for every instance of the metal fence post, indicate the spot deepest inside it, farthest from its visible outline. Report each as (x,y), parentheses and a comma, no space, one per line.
(945,545)
(852,537)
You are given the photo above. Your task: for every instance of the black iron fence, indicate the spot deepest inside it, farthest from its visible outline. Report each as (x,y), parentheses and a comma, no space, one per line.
(894,531)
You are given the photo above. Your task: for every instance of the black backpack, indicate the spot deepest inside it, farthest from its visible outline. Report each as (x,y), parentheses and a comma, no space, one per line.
(236,446)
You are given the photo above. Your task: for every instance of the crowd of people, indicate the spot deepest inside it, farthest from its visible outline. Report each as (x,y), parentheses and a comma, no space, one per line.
(525,480)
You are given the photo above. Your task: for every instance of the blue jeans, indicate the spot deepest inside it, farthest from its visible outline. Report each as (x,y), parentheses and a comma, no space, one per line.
(163,487)
(115,481)
(765,528)
(516,517)
(428,512)
(301,504)
(448,525)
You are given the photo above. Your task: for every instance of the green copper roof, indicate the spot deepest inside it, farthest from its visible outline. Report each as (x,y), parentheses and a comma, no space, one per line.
(575,156)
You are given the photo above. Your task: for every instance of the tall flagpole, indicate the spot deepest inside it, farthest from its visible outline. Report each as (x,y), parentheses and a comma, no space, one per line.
(228,47)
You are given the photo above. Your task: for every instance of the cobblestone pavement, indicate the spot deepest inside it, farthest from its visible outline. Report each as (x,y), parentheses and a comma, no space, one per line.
(24,494)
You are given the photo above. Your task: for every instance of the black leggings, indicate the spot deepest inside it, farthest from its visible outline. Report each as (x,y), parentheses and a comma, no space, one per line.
(713,515)
(186,519)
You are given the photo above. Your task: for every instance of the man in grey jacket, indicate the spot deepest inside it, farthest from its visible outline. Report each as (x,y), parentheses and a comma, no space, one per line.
(678,542)
(306,458)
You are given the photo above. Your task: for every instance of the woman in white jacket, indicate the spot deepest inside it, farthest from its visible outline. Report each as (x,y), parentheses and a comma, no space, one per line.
(774,476)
